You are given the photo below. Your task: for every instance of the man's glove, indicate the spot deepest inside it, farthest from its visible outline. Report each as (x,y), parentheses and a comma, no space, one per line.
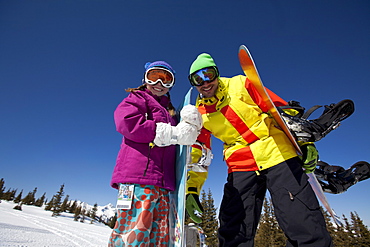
(183,134)
(191,115)
(192,203)
(310,156)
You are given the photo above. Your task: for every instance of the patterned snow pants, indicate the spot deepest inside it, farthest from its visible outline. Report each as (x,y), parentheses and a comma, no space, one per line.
(146,223)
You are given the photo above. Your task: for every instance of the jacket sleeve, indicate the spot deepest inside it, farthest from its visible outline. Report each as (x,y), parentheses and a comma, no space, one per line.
(131,120)
(275,98)
(258,99)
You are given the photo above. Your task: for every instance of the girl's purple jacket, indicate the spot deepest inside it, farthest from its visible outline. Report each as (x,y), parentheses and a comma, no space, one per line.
(137,162)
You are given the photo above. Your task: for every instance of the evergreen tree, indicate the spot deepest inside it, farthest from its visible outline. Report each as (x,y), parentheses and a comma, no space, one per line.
(340,238)
(83,212)
(209,218)
(10,194)
(269,233)
(73,207)
(348,230)
(77,213)
(2,188)
(50,204)
(332,228)
(57,201)
(112,221)
(361,233)
(93,212)
(39,202)
(18,198)
(64,206)
(30,198)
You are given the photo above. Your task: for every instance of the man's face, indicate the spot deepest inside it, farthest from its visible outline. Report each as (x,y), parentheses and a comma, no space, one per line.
(208,89)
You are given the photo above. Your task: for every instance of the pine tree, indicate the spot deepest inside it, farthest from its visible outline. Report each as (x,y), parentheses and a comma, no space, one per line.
(112,221)
(269,233)
(50,204)
(264,235)
(93,212)
(57,201)
(64,206)
(73,207)
(341,237)
(30,198)
(348,230)
(362,234)
(332,229)
(9,195)
(18,198)
(2,188)
(209,219)
(77,213)
(39,202)
(83,212)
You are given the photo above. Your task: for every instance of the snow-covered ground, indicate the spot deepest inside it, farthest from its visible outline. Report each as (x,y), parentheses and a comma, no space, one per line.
(33,226)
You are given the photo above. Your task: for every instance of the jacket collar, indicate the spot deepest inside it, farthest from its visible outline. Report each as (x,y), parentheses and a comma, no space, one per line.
(162,100)
(219,97)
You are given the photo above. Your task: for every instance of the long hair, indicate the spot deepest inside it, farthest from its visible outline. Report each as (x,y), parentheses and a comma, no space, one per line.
(171,109)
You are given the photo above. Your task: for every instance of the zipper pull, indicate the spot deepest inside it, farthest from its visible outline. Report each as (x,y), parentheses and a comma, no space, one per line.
(291,196)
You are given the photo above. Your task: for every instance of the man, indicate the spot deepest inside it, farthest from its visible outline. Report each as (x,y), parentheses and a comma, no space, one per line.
(259,156)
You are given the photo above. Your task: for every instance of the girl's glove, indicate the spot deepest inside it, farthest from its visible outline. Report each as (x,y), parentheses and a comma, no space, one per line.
(310,156)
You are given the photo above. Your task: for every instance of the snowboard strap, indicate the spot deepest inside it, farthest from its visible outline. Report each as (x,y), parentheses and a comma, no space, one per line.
(336,179)
(310,111)
(314,130)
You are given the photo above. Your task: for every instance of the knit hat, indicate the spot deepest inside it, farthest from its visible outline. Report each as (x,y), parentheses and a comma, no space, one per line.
(204,60)
(163,64)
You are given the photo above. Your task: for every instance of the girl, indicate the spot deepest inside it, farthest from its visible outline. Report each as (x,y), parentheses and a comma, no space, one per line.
(145,167)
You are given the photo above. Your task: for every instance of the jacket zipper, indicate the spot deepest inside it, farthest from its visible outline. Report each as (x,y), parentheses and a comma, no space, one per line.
(151,145)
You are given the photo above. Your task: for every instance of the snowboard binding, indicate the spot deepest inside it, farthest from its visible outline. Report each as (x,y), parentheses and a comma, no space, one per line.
(314,130)
(336,179)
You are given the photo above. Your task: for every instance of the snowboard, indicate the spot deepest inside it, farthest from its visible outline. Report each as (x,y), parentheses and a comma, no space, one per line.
(250,70)
(177,197)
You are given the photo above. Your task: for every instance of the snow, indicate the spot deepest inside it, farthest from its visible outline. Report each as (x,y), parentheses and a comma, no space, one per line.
(33,226)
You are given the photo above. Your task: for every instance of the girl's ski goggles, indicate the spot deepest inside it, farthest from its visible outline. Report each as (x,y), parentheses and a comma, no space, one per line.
(199,77)
(162,75)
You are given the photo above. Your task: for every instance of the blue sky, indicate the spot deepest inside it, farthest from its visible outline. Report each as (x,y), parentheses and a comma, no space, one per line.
(64,66)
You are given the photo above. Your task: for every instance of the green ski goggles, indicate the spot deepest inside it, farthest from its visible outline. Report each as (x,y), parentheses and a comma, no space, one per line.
(199,77)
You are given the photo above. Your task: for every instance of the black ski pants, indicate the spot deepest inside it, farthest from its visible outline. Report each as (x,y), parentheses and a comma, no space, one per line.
(295,204)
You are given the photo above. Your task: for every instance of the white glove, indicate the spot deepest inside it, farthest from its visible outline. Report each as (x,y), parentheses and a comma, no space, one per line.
(163,134)
(182,134)
(186,133)
(191,115)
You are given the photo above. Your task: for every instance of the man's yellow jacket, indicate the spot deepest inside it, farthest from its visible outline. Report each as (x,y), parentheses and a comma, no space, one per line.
(238,117)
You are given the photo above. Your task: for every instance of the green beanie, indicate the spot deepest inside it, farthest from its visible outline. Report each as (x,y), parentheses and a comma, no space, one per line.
(204,60)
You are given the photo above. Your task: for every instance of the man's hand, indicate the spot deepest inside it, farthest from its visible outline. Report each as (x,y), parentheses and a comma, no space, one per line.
(310,156)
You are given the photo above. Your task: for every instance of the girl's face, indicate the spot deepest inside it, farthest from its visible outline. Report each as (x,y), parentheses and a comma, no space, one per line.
(157,89)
